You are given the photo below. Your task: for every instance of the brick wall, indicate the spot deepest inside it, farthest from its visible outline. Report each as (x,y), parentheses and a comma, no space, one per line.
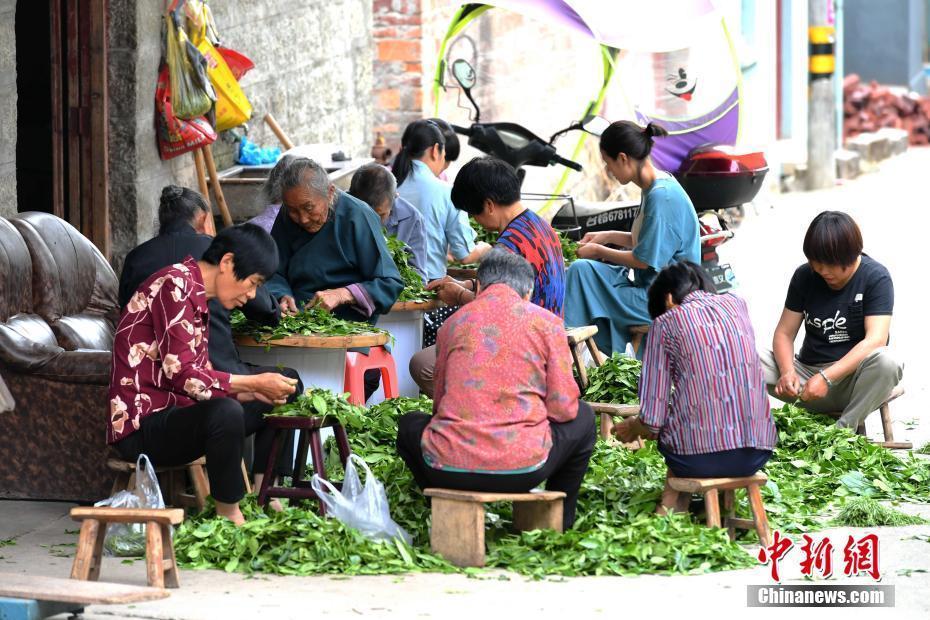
(398,79)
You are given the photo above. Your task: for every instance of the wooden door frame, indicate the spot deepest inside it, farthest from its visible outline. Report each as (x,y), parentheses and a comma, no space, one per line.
(83,62)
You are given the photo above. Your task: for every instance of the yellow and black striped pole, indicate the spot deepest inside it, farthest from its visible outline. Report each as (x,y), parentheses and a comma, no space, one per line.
(821,96)
(822,59)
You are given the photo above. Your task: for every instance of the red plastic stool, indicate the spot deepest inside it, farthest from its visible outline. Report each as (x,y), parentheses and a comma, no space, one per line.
(377,359)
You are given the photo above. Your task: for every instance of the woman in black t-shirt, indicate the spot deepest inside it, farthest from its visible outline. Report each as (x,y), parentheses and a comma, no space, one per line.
(845,300)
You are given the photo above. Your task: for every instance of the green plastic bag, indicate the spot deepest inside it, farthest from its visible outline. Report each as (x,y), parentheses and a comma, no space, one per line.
(192,94)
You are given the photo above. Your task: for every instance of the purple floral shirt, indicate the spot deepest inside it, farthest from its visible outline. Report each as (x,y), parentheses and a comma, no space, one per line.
(160,357)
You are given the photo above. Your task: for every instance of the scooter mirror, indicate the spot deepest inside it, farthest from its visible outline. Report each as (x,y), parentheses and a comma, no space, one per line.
(595,125)
(464,73)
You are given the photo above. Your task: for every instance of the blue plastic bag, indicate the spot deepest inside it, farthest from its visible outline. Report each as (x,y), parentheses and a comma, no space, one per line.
(250,154)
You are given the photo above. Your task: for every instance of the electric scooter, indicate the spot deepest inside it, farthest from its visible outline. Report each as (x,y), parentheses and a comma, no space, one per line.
(715,177)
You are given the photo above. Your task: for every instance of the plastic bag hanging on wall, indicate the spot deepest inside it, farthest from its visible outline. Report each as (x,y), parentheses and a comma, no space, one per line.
(192,94)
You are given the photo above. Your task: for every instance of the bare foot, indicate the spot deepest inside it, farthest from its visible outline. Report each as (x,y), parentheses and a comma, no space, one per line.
(275,505)
(231,512)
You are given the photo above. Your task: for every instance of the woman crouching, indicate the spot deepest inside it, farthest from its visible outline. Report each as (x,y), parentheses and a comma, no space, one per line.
(506,408)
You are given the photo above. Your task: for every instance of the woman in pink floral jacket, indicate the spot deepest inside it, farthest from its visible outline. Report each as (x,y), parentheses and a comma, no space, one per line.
(166,400)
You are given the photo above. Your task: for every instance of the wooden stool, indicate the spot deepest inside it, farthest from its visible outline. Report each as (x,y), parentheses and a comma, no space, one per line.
(609,411)
(637,332)
(31,596)
(709,488)
(457,531)
(309,440)
(887,429)
(378,358)
(578,339)
(159,549)
(173,481)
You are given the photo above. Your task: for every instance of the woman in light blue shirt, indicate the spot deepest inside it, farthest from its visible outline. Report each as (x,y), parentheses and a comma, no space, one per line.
(416,167)
(598,290)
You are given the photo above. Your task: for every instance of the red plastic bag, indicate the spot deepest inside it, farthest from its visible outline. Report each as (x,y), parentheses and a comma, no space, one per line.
(238,63)
(177,136)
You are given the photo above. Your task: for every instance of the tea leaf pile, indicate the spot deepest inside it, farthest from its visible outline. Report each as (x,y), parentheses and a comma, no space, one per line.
(615,381)
(308,322)
(816,469)
(865,512)
(413,283)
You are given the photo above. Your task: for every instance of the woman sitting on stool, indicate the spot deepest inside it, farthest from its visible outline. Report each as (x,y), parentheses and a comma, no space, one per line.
(506,412)
(702,392)
(166,399)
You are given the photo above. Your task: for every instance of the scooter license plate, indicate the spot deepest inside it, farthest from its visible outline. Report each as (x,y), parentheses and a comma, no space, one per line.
(722,276)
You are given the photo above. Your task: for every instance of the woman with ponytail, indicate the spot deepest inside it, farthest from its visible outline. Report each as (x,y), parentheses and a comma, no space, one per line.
(598,289)
(702,392)
(417,167)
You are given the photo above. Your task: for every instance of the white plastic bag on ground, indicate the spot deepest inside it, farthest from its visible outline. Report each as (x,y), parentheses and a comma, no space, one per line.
(364,508)
(128,539)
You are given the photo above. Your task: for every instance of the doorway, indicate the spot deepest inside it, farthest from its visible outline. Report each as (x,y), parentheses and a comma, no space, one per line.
(61,144)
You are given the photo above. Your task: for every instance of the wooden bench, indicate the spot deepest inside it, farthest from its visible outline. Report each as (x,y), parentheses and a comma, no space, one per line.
(457,532)
(710,488)
(32,596)
(580,338)
(160,562)
(887,429)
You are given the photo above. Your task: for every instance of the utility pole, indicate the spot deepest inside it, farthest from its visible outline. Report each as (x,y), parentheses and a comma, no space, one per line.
(821,115)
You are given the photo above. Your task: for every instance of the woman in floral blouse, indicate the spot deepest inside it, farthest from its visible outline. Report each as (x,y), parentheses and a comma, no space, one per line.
(506,412)
(166,400)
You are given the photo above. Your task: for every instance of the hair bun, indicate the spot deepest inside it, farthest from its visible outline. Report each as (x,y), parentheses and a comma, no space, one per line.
(171,192)
(655,131)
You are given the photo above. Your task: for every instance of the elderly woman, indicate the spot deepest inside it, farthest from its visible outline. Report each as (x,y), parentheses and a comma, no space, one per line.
(331,252)
(166,399)
(374,185)
(702,390)
(506,412)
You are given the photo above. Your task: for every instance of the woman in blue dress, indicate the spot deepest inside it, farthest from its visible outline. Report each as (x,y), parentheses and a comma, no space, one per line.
(598,289)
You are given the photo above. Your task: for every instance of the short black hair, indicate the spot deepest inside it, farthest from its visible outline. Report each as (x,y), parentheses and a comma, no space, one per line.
(679,279)
(253,250)
(179,205)
(485,178)
(373,184)
(833,238)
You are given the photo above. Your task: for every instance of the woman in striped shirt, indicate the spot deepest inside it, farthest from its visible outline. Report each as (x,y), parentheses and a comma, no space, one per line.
(702,390)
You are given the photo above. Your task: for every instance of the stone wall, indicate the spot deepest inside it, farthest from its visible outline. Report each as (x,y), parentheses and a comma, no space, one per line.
(312,71)
(7,108)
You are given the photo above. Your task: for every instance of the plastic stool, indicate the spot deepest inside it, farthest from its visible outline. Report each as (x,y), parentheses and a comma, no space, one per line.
(377,359)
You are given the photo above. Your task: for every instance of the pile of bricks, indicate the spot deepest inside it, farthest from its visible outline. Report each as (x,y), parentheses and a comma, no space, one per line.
(870,107)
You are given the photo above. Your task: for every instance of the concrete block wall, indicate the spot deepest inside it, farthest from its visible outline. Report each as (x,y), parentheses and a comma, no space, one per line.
(313,72)
(7,108)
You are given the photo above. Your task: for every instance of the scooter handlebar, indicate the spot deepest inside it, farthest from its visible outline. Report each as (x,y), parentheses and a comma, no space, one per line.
(465,131)
(557,159)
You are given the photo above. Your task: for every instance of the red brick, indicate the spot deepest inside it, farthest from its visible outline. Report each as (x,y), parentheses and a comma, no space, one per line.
(396,49)
(385,33)
(413,67)
(389,99)
(398,20)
